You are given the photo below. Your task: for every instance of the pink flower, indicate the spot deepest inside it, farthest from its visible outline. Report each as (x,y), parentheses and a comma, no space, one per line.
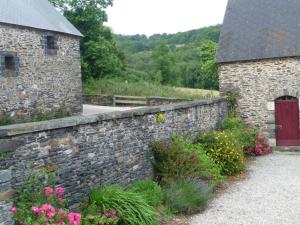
(261,138)
(110,214)
(259,149)
(48,191)
(48,211)
(35,209)
(60,191)
(14,210)
(74,218)
(47,223)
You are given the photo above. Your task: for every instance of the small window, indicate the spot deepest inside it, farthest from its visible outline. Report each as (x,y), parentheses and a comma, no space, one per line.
(9,64)
(50,42)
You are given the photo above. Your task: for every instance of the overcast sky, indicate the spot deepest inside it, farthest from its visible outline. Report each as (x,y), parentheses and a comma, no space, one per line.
(163,16)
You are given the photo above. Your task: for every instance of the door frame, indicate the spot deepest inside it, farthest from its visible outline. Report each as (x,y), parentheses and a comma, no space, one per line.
(278,126)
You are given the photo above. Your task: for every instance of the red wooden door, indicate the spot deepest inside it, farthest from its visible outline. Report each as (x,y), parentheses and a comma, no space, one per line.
(287,122)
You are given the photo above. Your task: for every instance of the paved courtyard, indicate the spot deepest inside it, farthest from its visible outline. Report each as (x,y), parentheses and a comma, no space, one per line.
(270,195)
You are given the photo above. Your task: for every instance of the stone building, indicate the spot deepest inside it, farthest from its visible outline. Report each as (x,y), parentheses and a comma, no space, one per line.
(259,61)
(39,60)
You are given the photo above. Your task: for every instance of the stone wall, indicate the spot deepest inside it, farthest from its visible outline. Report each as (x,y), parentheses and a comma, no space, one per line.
(153,101)
(87,151)
(104,100)
(108,100)
(44,82)
(258,84)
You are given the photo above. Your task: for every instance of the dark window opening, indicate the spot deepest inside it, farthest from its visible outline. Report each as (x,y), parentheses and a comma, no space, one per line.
(50,42)
(9,63)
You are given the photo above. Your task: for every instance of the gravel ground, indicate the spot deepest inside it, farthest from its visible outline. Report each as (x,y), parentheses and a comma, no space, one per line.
(270,195)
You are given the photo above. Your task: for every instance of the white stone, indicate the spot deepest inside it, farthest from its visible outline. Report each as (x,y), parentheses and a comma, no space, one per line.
(271,106)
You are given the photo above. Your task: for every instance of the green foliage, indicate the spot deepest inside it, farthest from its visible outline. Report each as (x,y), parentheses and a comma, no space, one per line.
(132,207)
(160,117)
(186,197)
(245,135)
(208,65)
(94,215)
(181,159)
(172,162)
(31,193)
(7,120)
(121,87)
(149,190)
(164,65)
(232,103)
(185,58)
(38,115)
(233,122)
(100,56)
(225,150)
(211,171)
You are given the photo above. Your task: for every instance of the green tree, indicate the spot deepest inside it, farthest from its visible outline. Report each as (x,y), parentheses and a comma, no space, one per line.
(164,65)
(209,68)
(100,56)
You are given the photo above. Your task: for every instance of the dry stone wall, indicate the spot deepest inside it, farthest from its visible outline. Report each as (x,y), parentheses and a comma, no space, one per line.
(87,151)
(258,84)
(44,82)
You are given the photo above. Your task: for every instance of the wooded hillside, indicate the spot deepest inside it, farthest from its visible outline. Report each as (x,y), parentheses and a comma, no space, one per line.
(181,59)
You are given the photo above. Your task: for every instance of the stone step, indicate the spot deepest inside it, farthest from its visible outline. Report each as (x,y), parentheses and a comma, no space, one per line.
(286,149)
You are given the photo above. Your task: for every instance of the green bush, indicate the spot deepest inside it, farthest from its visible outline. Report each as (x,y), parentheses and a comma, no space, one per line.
(7,120)
(245,135)
(181,159)
(172,162)
(225,150)
(186,197)
(150,191)
(233,122)
(94,215)
(210,170)
(132,207)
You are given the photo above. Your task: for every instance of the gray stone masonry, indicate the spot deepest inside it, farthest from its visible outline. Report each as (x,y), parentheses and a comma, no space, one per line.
(43,82)
(258,84)
(88,151)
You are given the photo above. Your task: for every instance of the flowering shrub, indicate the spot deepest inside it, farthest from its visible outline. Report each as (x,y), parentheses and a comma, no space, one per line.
(262,147)
(224,149)
(49,212)
(95,215)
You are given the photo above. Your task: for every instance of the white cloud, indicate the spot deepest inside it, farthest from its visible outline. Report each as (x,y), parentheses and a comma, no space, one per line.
(163,16)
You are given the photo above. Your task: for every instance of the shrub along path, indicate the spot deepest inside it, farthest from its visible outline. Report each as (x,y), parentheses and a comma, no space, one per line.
(268,196)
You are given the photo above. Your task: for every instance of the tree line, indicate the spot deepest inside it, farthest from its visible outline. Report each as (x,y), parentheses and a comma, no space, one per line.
(182,59)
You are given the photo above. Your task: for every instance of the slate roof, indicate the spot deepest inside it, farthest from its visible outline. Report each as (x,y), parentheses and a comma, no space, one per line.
(260,29)
(36,14)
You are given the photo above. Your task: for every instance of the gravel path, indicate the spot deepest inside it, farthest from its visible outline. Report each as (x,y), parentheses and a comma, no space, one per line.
(270,195)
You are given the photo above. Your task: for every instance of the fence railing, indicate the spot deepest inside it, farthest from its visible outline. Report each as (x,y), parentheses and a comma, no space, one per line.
(119,100)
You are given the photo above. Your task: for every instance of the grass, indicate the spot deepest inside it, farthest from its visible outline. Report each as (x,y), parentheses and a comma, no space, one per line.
(117,87)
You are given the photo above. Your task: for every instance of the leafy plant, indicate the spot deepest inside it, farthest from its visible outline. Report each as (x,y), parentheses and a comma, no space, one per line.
(233,122)
(7,120)
(186,196)
(94,215)
(132,207)
(245,135)
(149,190)
(181,159)
(172,162)
(211,170)
(37,203)
(225,150)
(262,147)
